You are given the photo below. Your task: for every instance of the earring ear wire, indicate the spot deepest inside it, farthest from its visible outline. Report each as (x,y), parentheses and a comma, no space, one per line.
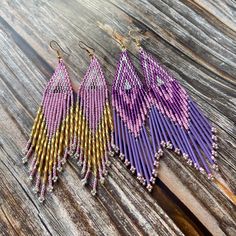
(136,39)
(87,48)
(56,49)
(119,39)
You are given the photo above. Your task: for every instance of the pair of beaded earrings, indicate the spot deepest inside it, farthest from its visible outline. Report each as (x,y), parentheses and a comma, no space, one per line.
(163,107)
(147,118)
(62,128)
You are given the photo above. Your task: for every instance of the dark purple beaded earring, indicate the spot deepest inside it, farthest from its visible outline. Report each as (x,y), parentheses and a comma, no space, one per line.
(131,106)
(175,120)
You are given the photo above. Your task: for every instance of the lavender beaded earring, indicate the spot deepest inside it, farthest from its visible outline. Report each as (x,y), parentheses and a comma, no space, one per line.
(52,132)
(176,122)
(131,106)
(93,123)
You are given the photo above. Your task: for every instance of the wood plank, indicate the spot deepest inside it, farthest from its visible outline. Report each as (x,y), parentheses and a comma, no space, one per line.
(194,39)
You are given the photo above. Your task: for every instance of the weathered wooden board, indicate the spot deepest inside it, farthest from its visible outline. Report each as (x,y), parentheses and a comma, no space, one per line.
(194,39)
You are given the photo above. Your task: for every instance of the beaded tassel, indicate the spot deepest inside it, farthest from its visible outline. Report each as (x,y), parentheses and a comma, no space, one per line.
(93,125)
(49,142)
(131,105)
(175,120)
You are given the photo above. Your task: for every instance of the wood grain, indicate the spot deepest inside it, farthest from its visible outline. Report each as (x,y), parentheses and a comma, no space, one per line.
(194,39)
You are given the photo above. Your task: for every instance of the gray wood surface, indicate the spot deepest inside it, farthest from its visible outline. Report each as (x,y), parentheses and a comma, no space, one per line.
(194,39)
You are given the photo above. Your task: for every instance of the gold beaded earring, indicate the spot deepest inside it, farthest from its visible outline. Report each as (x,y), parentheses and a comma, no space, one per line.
(50,140)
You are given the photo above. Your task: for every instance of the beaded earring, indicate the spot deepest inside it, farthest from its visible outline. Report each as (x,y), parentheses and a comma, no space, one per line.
(131,106)
(93,123)
(176,122)
(51,136)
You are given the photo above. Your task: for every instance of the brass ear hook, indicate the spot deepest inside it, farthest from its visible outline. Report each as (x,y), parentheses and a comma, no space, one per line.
(55,49)
(87,48)
(137,41)
(118,38)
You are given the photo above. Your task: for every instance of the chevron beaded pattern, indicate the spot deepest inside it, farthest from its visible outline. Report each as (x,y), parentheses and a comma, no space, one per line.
(131,105)
(93,125)
(176,122)
(52,132)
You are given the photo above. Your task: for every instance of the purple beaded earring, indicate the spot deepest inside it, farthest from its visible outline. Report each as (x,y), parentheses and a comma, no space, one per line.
(93,123)
(131,106)
(50,139)
(175,121)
